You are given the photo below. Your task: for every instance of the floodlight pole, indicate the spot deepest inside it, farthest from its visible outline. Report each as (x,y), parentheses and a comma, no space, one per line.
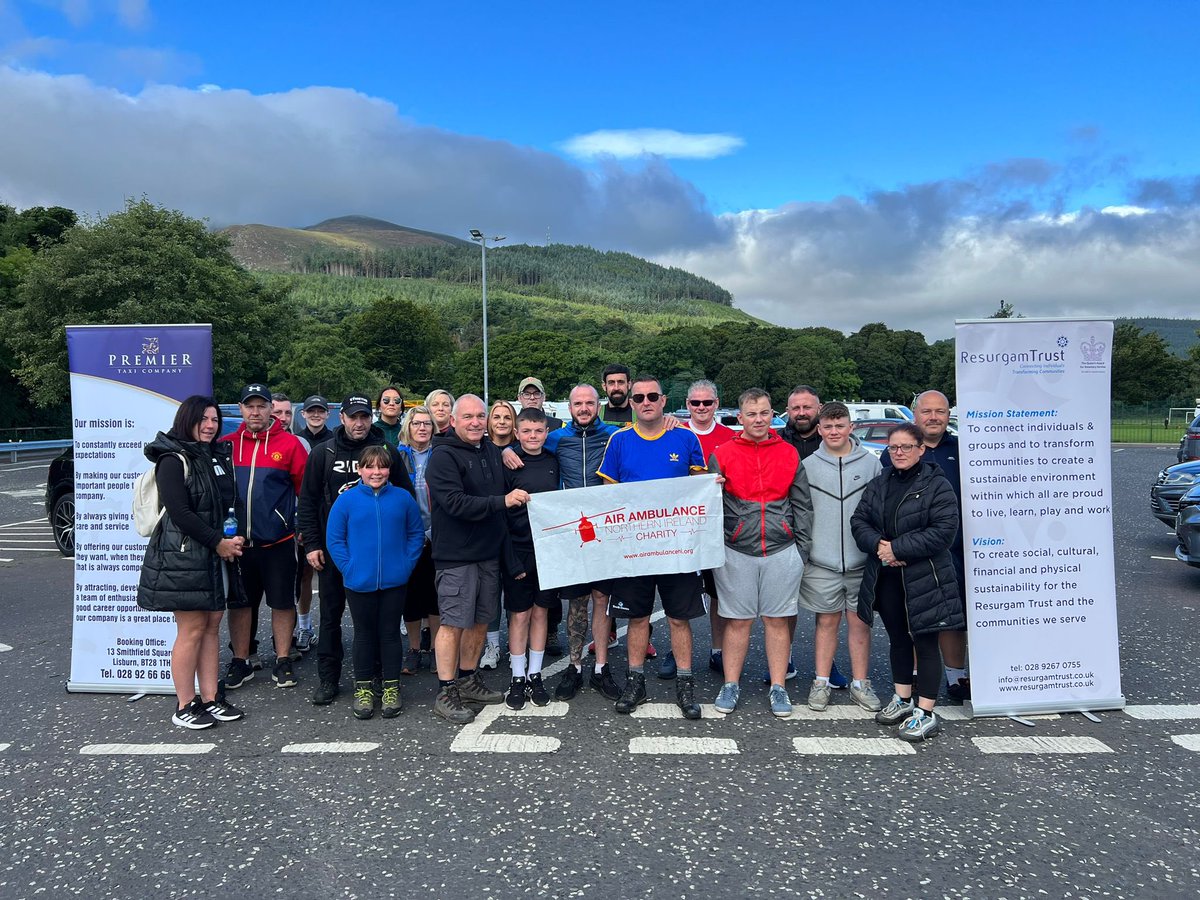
(479,237)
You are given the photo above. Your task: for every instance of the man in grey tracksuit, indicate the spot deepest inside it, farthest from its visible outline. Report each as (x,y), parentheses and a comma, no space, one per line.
(837,473)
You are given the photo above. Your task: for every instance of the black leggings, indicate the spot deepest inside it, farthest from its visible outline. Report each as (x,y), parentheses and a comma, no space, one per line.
(889,601)
(377,647)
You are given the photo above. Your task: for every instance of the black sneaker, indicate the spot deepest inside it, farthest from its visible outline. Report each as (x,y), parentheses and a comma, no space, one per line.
(537,691)
(685,696)
(634,694)
(605,683)
(222,711)
(283,676)
(193,716)
(517,692)
(568,684)
(325,693)
(238,673)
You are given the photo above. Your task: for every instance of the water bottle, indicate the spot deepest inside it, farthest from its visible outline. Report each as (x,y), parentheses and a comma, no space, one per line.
(230,524)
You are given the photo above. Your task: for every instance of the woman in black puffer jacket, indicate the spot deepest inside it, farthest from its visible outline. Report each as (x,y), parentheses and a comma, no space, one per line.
(906,523)
(190,566)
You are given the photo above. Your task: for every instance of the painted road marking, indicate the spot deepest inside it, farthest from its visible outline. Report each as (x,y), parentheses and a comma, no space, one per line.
(332,747)
(1186,741)
(471,738)
(4,747)
(1170,558)
(4,648)
(852,746)
(41,521)
(1041,745)
(672,711)
(145,749)
(1165,711)
(683,746)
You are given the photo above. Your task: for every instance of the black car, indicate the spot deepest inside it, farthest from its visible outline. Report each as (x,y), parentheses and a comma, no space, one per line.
(1168,489)
(1187,527)
(1189,447)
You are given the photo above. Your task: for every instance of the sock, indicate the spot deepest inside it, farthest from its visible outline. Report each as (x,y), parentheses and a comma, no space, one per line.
(304,620)
(535,661)
(856,684)
(465,673)
(637,670)
(684,673)
(599,669)
(445,684)
(820,680)
(954,675)
(715,653)
(493,638)
(518,665)
(578,667)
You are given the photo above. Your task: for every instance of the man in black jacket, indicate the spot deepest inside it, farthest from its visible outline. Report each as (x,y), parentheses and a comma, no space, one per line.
(469,534)
(331,468)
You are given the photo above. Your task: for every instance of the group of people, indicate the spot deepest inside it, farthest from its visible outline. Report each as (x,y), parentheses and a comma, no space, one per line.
(419,517)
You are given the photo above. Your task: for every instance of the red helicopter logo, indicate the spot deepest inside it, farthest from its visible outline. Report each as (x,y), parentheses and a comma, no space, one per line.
(583,525)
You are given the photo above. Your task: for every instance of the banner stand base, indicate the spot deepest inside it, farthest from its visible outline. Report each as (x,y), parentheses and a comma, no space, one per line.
(108,687)
(977,711)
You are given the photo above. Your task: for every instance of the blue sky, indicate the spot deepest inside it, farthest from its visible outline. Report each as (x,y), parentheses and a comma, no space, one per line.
(829,164)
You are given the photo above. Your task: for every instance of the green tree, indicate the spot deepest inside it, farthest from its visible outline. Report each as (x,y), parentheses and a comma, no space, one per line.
(405,341)
(144,264)
(1144,369)
(560,360)
(321,361)
(893,365)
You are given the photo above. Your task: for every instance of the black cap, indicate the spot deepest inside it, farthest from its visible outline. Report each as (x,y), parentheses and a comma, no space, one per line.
(356,403)
(256,389)
(316,401)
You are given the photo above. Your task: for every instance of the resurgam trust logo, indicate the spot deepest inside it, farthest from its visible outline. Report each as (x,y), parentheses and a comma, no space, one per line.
(152,360)
(1030,358)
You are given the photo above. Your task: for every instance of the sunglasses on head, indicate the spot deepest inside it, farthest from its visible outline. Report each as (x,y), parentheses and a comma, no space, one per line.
(652,396)
(702,403)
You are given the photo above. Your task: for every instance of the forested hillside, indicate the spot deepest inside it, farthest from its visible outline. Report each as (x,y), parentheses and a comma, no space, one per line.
(1178,334)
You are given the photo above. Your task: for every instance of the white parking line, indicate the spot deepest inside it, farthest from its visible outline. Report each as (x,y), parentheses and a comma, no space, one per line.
(4,648)
(683,746)
(471,738)
(1041,745)
(1164,711)
(671,711)
(1168,558)
(4,747)
(145,749)
(852,746)
(25,522)
(1186,741)
(332,747)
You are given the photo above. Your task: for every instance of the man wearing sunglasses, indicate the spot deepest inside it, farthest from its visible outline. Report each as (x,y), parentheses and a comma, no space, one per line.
(648,451)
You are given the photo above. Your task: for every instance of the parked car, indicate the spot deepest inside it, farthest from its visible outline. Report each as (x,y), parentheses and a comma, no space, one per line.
(1187,527)
(60,487)
(1168,490)
(872,433)
(1189,447)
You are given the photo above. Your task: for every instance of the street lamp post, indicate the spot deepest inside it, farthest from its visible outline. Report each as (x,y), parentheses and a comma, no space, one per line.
(479,237)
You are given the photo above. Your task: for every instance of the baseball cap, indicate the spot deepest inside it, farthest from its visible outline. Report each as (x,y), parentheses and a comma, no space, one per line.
(356,403)
(255,390)
(530,382)
(316,401)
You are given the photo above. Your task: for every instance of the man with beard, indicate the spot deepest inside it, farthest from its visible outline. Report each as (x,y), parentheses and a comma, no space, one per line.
(616,387)
(332,467)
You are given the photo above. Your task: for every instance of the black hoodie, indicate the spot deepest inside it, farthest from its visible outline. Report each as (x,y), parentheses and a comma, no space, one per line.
(466,499)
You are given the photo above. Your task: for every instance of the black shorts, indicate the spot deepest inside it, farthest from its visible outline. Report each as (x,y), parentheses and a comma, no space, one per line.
(710,584)
(633,598)
(570,592)
(422,601)
(270,571)
(521,594)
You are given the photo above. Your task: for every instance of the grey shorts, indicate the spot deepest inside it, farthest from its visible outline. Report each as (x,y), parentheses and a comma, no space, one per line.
(826,591)
(468,595)
(754,586)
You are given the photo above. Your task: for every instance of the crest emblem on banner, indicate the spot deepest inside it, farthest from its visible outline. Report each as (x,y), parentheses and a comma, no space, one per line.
(150,345)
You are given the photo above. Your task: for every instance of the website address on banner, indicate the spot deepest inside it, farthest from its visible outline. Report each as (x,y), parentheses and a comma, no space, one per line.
(1047,681)
(676,551)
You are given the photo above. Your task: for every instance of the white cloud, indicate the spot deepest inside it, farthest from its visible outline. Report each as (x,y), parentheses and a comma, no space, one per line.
(637,142)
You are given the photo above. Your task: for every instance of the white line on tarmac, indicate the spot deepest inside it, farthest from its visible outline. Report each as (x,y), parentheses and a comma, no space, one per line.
(1186,741)
(144,749)
(852,746)
(4,747)
(4,648)
(5,559)
(1170,558)
(32,549)
(683,746)
(471,738)
(26,522)
(1164,711)
(332,747)
(672,711)
(1041,745)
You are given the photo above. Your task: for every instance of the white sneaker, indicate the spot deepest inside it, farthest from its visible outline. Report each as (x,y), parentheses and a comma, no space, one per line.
(491,656)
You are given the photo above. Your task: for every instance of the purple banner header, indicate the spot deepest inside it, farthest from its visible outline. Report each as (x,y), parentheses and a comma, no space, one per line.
(171,360)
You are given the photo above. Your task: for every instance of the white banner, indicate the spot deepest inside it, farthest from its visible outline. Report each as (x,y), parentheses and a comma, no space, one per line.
(127,381)
(1035,457)
(614,531)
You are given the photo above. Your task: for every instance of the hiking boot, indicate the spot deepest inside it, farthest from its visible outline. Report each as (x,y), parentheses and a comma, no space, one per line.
(818,695)
(450,707)
(391,703)
(865,696)
(325,693)
(667,667)
(895,712)
(517,693)
(193,716)
(222,711)
(685,696)
(238,673)
(780,702)
(473,689)
(568,684)
(491,657)
(412,662)
(727,700)
(634,694)
(282,674)
(919,726)
(363,706)
(537,690)
(605,683)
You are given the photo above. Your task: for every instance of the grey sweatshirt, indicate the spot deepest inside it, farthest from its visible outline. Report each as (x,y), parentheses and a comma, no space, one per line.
(836,484)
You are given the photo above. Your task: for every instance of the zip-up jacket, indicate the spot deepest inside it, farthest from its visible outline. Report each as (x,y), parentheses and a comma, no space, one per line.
(805,446)
(375,537)
(580,450)
(466,499)
(269,466)
(332,468)
(922,529)
(837,484)
(766,497)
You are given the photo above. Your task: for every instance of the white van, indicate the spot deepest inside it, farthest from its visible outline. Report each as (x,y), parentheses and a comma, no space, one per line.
(861,409)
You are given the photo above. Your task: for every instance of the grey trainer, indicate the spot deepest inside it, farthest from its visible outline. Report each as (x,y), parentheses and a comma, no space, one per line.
(895,712)
(865,696)
(818,695)
(473,689)
(919,726)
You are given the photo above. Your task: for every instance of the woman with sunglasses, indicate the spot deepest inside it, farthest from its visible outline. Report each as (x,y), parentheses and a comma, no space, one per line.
(416,437)
(390,408)
(906,523)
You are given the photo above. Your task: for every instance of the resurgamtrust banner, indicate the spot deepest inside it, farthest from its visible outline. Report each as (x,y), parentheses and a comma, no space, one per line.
(1036,464)
(126,383)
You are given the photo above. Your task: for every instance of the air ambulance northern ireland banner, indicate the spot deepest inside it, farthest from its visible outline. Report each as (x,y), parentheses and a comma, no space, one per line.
(127,381)
(1036,466)
(614,531)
